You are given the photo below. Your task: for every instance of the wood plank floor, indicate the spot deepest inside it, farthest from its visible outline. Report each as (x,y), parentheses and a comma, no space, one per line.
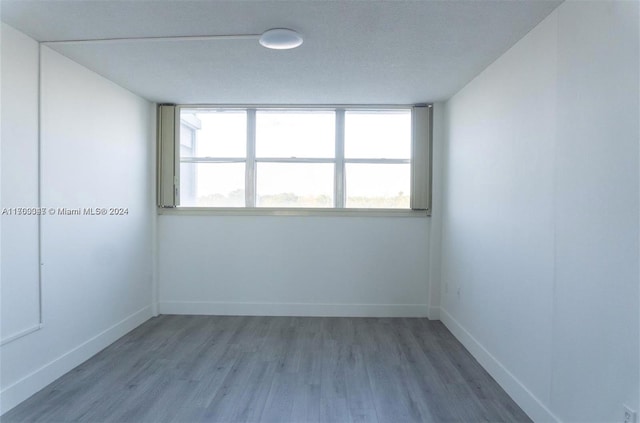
(276,369)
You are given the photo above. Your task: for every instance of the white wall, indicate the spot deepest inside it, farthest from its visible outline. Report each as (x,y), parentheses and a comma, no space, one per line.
(596,324)
(311,266)
(19,168)
(96,273)
(540,257)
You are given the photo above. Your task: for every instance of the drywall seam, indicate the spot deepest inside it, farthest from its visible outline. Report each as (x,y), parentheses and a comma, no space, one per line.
(554,211)
(155,246)
(39,166)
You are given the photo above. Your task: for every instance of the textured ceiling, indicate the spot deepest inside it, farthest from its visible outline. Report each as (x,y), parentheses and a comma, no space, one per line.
(354,51)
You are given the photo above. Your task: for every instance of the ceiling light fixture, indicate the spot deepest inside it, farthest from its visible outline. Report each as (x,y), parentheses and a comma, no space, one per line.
(277,38)
(280,39)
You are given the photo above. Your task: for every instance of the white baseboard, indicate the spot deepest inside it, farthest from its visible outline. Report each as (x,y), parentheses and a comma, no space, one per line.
(434,313)
(19,391)
(292,309)
(531,405)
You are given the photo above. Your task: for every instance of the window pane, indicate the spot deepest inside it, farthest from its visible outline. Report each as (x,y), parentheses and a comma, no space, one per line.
(212,184)
(213,133)
(378,185)
(295,134)
(295,184)
(377,134)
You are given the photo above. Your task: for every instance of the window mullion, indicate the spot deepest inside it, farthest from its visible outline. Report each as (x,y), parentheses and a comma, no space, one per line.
(250,176)
(339,179)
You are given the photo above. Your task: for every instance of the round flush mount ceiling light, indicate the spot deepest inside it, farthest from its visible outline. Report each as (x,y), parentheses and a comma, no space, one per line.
(280,39)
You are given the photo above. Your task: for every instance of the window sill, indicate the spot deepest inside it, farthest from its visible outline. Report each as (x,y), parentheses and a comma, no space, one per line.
(268,211)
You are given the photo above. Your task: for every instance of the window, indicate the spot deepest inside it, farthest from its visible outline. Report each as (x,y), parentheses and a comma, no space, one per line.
(295,158)
(273,157)
(213,150)
(377,156)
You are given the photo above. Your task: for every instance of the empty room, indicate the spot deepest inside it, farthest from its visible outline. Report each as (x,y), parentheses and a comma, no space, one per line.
(320,211)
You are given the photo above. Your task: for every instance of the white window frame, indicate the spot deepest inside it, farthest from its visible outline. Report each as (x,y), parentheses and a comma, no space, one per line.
(169,175)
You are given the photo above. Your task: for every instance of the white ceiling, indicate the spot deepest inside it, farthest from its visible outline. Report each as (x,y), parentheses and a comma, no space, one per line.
(354,52)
